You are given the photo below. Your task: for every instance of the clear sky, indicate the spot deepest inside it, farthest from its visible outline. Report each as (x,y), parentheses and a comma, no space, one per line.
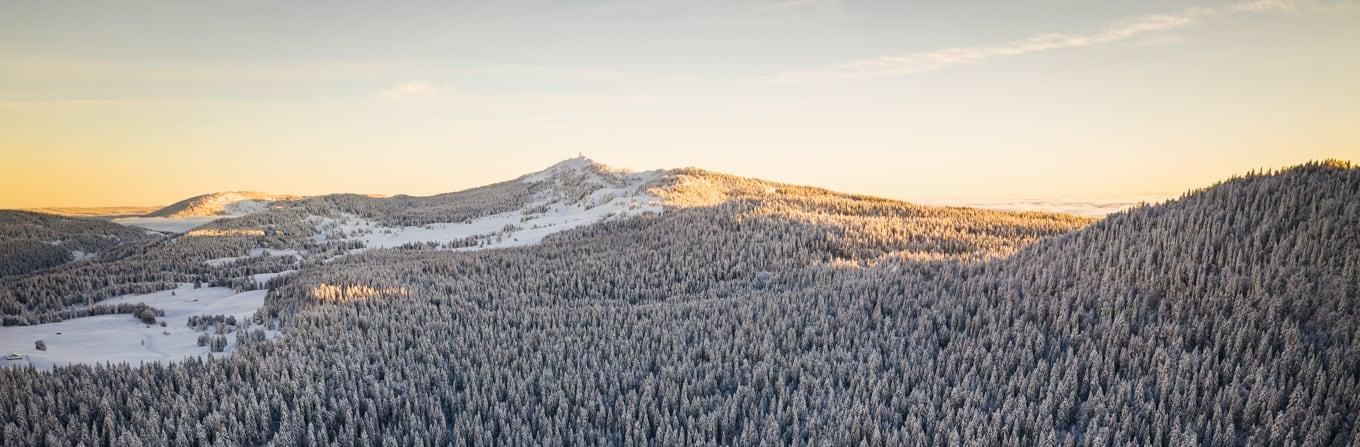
(146,103)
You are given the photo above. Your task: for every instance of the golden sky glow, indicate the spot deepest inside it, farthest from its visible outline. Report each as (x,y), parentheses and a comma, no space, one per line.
(146,104)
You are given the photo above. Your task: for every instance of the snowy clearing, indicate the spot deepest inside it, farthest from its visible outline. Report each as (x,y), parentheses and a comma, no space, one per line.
(123,338)
(262,278)
(254,253)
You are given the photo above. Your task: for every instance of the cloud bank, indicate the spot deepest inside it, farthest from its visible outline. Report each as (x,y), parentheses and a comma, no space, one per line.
(1085,207)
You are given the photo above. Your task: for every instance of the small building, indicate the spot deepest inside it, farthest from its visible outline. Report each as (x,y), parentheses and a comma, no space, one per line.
(14,356)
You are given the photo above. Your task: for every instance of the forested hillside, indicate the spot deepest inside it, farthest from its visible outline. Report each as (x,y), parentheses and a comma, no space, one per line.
(32,241)
(757,313)
(293,233)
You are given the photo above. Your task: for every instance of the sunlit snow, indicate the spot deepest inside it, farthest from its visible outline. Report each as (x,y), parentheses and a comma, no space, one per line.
(515,228)
(167,224)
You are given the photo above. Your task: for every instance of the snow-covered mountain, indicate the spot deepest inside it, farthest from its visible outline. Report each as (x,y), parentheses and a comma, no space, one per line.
(566,195)
(196,211)
(522,211)
(221,204)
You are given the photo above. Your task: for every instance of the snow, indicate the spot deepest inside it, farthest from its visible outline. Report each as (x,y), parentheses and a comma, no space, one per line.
(245,206)
(528,228)
(254,253)
(578,164)
(261,278)
(122,338)
(558,218)
(167,224)
(232,205)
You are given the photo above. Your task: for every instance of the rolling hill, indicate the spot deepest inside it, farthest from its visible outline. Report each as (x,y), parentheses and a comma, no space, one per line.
(221,204)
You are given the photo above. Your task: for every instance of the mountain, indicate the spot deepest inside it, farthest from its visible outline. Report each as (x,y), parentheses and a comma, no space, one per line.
(221,204)
(699,307)
(195,211)
(564,196)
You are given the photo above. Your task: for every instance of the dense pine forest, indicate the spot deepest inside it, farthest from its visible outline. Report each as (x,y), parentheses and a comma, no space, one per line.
(35,241)
(744,313)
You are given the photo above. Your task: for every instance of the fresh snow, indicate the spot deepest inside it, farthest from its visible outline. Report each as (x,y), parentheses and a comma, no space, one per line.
(232,206)
(123,338)
(254,252)
(167,224)
(520,227)
(490,228)
(261,278)
(243,207)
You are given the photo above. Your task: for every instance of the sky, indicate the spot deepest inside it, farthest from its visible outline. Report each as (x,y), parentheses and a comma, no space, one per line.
(146,103)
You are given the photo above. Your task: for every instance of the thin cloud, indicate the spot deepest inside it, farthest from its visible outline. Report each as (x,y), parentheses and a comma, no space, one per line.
(794,4)
(407,91)
(1267,6)
(894,66)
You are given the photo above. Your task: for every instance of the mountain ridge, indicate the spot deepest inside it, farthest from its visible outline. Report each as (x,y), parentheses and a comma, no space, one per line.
(221,204)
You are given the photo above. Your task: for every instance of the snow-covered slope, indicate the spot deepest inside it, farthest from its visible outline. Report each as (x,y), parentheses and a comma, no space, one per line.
(123,338)
(569,194)
(196,211)
(221,204)
(166,224)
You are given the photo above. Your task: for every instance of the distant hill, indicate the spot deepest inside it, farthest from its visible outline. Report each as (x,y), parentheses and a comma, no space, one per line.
(221,204)
(107,212)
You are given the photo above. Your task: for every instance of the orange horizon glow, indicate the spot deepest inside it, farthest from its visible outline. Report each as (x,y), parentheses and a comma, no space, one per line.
(146,104)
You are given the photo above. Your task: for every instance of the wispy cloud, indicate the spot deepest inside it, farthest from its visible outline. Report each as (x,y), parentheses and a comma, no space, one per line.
(1267,6)
(902,65)
(794,4)
(407,91)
